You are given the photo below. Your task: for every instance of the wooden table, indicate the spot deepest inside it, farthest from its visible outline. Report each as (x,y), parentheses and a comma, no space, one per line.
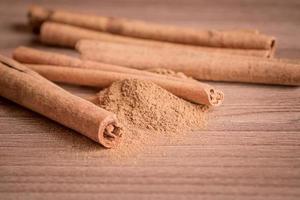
(251,150)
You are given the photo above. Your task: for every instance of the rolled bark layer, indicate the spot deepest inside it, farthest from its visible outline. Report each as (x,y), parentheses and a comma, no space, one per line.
(27,88)
(206,66)
(147,30)
(67,36)
(33,56)
(199,93)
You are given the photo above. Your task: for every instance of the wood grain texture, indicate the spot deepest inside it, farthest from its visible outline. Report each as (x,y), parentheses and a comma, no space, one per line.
(250,150)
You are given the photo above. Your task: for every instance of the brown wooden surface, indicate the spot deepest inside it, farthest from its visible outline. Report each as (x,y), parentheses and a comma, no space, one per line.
(250,150)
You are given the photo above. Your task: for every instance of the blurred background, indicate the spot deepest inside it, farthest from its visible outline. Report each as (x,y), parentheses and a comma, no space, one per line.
(274,17)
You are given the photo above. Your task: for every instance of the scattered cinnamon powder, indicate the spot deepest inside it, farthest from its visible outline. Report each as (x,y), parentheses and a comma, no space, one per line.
(146,111)
(168,72)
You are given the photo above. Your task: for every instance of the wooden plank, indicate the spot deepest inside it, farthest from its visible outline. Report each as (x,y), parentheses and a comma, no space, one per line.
(250,149)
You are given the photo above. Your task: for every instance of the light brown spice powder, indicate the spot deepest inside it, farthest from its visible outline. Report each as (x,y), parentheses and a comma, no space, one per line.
(168,72)
(146,111)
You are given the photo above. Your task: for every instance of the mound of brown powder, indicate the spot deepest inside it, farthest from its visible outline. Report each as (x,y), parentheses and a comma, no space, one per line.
(149,115)
(148,112)
(145,105)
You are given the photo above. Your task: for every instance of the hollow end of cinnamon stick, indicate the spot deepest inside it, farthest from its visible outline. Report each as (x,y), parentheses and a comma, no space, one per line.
(216,97)
(273,48)
(109,133)
(37,15)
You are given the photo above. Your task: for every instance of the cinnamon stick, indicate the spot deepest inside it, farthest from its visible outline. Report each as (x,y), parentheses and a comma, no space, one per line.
(33,56)
(147,30)
(195,92)
(67,36)
(206,66)
(29,89)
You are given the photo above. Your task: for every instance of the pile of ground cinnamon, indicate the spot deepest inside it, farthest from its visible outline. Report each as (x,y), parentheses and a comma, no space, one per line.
(144,105)
(147,111)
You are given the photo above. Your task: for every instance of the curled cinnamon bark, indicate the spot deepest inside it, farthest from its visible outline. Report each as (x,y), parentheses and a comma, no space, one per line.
(67,36)
(147,30)
(34,56)
(29,89)
(198,92)
(206,66)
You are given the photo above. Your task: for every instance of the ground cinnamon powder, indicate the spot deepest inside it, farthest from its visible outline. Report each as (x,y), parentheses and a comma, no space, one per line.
(168,72)
(146,112)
